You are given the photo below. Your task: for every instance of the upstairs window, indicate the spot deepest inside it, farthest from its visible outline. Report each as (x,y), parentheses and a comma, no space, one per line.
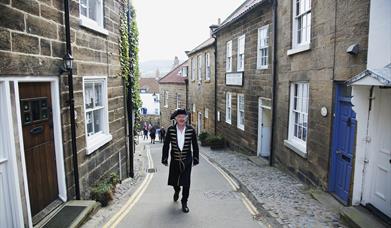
(228,61)
(91,15)
(207,66)
(193,68)
(199,70)
(165,99)
(241,45)
(301,22)
(263,47)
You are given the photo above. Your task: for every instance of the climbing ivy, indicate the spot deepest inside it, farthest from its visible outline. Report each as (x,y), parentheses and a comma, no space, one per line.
(129,61)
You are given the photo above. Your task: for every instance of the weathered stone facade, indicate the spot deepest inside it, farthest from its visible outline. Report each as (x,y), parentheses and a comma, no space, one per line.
(335,25)
(202,92)
(32,43)
(256,82)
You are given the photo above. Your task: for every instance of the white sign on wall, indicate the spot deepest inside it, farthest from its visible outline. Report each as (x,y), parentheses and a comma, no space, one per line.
(235,79)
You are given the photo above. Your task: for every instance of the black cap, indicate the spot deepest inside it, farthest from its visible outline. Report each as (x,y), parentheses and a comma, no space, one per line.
(178,112)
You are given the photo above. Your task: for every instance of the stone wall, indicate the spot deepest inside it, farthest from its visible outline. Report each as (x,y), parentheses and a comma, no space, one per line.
(202,93)
(322,66)
(257,83)
(32,43)
(166,111)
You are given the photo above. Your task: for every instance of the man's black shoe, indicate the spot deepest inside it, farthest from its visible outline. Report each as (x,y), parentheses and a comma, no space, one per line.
(185,209)
(176,196)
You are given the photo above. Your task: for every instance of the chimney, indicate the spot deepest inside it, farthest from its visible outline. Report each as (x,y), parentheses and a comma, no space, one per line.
(218,21)
(212,29)
(176,62)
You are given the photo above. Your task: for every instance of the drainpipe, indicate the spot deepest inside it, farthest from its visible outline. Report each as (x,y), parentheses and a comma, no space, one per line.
(71,102)
(215,104)
(274,76)
(130,99)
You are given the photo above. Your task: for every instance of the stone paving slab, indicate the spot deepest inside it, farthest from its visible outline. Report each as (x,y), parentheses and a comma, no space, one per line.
(281,195)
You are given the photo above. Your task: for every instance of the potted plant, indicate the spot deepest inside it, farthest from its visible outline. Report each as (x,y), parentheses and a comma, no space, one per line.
(102,193)
(203,138)
(216,142)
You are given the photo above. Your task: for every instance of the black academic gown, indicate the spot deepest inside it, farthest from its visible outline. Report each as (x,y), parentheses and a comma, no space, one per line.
(181,161)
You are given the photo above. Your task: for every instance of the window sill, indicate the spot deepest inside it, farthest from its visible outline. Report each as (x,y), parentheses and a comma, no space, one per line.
(301,48)
(241,128)
(296,147)
(207,81)
(92,25)
(228,122)
(263,68)
(97,141)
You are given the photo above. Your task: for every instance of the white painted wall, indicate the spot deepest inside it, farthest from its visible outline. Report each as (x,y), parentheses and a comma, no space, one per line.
(379,40)
(149,103)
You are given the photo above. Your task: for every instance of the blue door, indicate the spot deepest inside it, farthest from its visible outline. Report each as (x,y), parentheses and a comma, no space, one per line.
(344,126)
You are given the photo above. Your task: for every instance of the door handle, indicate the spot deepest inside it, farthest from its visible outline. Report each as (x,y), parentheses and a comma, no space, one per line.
(36,130)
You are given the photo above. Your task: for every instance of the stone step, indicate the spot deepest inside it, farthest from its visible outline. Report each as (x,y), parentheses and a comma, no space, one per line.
(358,217)
(84,209)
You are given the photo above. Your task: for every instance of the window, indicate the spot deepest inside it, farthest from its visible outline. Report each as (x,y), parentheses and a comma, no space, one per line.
(178,97)
(228,107)
(207,66)
(184,71)
(241,111)
(165,99)
(194,108)
(156,111)
(241,44)
(263,47)
(96,112)
(206,113)
(199,70)
(228,61)
(91,15)
(301,31)
(298,115)
(193,68)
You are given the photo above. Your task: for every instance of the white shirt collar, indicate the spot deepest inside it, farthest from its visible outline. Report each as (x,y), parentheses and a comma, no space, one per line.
(180,137)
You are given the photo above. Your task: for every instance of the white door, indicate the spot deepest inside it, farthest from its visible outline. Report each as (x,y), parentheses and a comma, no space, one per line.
(6,219)
(264,130)
(380,152)
(199,123)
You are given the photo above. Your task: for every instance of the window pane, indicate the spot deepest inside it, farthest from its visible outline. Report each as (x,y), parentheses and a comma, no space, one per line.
(98,120)
(98,94)
(35,110)
(89,95)
(92,9)
(89,120)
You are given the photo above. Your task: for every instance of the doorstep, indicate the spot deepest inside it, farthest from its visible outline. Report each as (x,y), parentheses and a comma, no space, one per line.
(71,214)
(353,216)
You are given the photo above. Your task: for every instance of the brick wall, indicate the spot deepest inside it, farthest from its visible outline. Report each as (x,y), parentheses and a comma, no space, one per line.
(202,93)
(257,83)
(32,42)
(321,67)
(173,90)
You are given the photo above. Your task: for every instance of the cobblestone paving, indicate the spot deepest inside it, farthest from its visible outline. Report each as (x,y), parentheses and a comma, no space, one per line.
(281,195)
(122,192)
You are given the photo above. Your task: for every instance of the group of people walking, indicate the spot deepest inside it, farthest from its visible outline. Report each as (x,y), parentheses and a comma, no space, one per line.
(152,132)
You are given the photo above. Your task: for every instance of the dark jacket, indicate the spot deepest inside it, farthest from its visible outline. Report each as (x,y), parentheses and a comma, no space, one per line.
(181,161)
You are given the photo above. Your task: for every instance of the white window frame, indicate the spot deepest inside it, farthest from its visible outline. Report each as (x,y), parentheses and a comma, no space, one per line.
(239,109)
(206,113)
(89,23)
(194,108)
(228,108)
(303,14)
(207,66)
(97,140)
(263,47)
(165,104)
(184,71)
(177,101)
(241,53)
(228,60)
(199,68)
(193,68)
(297,144)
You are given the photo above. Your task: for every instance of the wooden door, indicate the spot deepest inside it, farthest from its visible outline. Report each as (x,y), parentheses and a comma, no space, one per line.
(37,124)
(380,152)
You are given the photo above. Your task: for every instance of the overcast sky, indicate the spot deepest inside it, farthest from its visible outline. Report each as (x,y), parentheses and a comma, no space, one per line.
(170,27)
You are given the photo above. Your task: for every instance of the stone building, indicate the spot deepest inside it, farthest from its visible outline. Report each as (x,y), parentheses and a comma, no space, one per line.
(149,94)
(173,93)
(36,169)
(202,86)
(320,44)
(244,82)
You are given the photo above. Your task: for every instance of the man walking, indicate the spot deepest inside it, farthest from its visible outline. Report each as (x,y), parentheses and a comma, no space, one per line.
(181,137)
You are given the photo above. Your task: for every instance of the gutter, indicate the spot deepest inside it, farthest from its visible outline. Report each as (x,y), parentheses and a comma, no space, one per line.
(215,104)
(274,76)
(71,102)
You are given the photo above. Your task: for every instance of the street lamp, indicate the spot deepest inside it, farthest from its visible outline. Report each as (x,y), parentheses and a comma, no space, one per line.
(68,62)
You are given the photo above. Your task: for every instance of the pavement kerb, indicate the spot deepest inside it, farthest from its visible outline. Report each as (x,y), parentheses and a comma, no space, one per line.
(263,212)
